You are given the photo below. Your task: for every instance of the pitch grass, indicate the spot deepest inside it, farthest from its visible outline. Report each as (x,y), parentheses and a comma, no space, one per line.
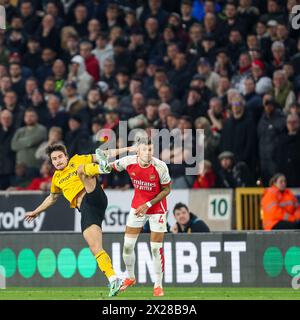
(145,293)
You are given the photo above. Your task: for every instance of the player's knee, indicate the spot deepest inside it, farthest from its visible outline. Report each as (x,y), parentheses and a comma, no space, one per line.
(127,249)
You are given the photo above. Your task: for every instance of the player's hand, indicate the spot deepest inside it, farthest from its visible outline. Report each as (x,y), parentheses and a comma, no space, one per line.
(132,148)
(30,216)
(141,210)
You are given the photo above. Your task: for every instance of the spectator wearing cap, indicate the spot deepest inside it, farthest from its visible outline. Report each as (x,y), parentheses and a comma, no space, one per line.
(153,8)
(212,78)
(187,20)
(91,63)
(94,107)
(286,153)
(6,152)
(282,90)
(47,33)
(72,102)
(194,105)
(208,48)
(239,133)
(79,75)
(10,103)
(77,138)
(80,20)
(29,17)
(198,81)
(32,58)
(27,139)
(270,127)
(263,84)
(103,50)
(231,174)
(122,57)
(56,115)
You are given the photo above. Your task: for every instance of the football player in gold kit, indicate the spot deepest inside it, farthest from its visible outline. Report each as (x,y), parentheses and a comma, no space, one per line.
(74,179)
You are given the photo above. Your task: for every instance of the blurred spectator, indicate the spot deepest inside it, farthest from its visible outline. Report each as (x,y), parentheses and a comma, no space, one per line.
(216,114)
(80,20)
(280,207)
(56,115)
(270,126)
(286,153)
(76,139)
(238,135)
(11,104)
(27,139)
(103,50)
(186,221)
(231,174)
(72,101)
(45,69)
(18,82)
(206,178)
(195,106)
(282,91)
(41,183)
(91,63)
(212,78)
(21,177)
(79,75)
(6,135)
(55,136)
(252,99)
(5,85)
(186,14)
(30,19)
(59,74)
(263,84)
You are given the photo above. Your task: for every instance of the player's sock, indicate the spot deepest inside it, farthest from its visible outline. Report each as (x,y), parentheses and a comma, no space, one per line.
(158,262)
(91,169)
(105,265)
(129,255)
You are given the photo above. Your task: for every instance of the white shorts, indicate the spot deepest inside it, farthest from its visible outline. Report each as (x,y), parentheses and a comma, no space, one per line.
(157,221)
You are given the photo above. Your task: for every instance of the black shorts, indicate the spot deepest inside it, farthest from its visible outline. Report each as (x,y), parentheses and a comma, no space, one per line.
(93,207)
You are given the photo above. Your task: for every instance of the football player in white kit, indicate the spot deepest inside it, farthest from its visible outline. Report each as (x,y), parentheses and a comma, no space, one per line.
(151,180)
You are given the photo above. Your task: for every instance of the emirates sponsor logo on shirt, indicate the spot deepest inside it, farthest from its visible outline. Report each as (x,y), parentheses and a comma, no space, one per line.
(152,177)
(143,185)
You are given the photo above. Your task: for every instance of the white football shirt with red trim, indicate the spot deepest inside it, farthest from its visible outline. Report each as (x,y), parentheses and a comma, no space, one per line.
(147,182)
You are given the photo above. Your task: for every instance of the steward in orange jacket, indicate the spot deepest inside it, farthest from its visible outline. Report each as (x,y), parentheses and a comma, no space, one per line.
(278,206)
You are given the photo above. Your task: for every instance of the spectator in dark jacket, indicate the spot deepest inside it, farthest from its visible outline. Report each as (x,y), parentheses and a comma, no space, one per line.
(6,135)
(270,126)
(286,154)
(77,139)
(186,221)
(239,133)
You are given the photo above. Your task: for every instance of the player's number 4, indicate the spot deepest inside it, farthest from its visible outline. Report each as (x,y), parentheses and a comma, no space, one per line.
(161,219)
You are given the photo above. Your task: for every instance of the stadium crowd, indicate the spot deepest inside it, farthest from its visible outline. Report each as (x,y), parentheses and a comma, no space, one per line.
(71,68)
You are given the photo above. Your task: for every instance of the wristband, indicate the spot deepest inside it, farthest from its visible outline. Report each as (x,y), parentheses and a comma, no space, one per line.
(149,205)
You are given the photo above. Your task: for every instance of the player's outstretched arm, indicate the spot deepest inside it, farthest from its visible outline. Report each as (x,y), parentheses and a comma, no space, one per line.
(141,210)
(48,202)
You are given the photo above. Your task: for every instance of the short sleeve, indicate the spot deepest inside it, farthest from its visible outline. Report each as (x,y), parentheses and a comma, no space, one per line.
(163,171)
(83,159)
(54,188)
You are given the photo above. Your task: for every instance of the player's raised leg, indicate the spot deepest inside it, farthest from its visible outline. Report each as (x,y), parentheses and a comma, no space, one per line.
(91,227)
